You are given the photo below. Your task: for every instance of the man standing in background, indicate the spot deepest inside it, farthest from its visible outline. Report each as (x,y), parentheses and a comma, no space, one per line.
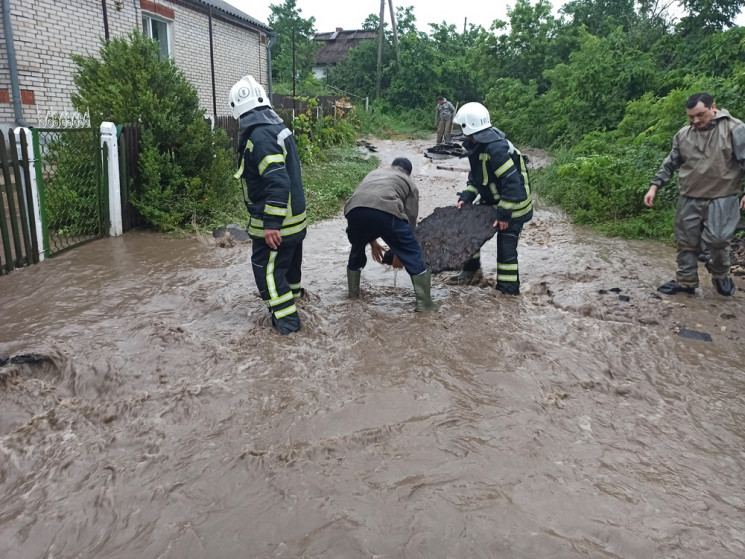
(444,119)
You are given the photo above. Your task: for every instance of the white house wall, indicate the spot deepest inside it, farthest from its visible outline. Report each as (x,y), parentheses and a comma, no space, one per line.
(47,32)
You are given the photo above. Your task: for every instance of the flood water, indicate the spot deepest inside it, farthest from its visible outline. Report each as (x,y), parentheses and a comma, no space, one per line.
(169,420)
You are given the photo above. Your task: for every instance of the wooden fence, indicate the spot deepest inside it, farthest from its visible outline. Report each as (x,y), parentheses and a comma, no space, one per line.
(19,245)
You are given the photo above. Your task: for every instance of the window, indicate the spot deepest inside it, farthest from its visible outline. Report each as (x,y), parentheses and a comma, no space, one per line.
(161,30)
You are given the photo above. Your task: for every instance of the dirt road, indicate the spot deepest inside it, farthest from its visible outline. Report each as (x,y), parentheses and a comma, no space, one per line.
(168,419)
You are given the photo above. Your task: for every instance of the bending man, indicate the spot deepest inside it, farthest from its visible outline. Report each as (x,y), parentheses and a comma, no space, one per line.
(385,205)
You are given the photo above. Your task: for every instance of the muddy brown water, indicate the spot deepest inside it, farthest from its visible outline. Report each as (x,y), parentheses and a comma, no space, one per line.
(171,421)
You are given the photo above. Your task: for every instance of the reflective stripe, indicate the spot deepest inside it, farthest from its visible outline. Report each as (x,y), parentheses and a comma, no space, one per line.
(279,300)
(471,188)
(515,205)
(296,286)
(239,174)
(284,312)
(270,285)
(510,267)
(256,231)
(275,210)
(292,230)
(521,213)
(507,165)
(268,160)
(484,157)
(281,139)
(504,277)
(259,223)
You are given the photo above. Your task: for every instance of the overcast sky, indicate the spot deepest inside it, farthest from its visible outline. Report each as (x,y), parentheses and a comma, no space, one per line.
(349,14)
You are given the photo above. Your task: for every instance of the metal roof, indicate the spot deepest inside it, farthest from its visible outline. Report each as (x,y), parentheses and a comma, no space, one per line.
(222,6)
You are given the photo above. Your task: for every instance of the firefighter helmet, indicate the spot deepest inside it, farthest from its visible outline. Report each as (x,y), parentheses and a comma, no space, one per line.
(473,117)
(247,94)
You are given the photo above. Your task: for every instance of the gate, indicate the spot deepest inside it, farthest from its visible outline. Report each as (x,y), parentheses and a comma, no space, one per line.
(72,194)
(129,176)
(18,240)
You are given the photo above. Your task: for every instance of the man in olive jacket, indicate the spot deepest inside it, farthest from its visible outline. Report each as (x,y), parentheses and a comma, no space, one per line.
(710,156)
(385,205)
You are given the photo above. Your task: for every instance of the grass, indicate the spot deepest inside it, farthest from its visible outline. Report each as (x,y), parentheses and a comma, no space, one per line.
(331,181)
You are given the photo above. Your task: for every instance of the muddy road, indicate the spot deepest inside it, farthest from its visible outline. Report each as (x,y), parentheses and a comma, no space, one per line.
(167,419)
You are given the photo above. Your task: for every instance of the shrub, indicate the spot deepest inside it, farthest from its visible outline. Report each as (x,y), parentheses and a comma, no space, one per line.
(185,168)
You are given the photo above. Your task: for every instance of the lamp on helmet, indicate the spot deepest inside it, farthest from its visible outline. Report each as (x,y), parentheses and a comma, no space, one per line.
(247,94)
(472,118)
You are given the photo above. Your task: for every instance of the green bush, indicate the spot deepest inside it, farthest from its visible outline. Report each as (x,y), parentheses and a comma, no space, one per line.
(185,168)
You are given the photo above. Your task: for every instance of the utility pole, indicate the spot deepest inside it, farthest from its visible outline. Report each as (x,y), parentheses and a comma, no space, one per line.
(395,33)
(380,48)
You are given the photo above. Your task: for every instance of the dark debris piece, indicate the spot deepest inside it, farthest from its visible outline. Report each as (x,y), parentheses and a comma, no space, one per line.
(447,149)
(449,236)
(694,335)
(624,298)
(23,359)
(236,231)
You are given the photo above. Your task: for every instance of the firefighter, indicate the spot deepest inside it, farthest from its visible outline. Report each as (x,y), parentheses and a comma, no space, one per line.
(274,196)
(499,176)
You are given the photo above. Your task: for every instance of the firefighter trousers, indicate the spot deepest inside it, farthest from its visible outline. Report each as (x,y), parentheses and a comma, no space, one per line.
(278,275)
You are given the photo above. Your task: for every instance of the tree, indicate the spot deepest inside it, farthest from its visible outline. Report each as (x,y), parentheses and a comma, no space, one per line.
(294,37)
(709,14)
(601,17)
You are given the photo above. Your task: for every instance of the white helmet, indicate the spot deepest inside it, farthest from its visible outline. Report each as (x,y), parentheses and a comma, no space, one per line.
(247,94)
(473,117)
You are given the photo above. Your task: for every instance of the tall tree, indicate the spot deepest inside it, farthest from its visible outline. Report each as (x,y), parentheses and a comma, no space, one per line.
(709,14)
(294,39)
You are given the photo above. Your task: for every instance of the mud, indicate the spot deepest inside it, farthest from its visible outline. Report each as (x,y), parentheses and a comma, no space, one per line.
(168,420)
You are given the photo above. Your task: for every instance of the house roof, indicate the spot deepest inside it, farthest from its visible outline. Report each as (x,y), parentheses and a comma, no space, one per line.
(230,10)
(338,43)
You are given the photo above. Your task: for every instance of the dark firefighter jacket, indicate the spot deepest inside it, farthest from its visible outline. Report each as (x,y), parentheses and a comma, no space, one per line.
(498,173)
(270,169)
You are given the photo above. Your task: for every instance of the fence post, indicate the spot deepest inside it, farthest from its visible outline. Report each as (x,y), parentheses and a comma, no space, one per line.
(108,138)
(35,205)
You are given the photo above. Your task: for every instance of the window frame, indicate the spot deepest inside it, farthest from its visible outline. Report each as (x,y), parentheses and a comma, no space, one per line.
(148,31)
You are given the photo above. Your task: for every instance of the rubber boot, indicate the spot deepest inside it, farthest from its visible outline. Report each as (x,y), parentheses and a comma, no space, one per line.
(422,283)
(353,282)
(287,324)
(724,286)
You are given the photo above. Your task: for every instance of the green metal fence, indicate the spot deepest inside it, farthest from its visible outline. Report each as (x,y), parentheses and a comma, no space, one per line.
(72,190)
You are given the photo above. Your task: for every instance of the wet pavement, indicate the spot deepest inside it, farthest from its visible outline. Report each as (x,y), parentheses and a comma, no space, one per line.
(168,419)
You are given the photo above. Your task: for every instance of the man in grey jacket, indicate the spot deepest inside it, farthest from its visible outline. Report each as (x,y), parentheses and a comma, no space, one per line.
(710,156)
(385,205)
(444,119)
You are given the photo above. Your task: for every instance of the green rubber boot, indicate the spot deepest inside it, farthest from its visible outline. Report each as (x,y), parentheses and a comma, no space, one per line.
(353,282)
(422,283)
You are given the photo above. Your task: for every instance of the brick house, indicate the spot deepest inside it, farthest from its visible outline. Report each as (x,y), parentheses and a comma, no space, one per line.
(212,42)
